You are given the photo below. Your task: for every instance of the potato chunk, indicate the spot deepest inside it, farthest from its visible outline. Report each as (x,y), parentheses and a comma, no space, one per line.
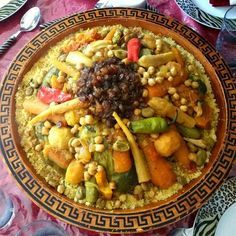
(167,143)
(59,137)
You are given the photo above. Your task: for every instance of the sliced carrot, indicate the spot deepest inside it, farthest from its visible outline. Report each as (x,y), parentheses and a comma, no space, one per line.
(110,35)
(178,56)
(204,120)
(162,174)
(182,156)
(122,161)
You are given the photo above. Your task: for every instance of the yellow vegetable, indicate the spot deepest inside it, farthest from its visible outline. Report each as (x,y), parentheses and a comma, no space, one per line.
(59,137)
(97,45)
(164,108)
(77,57)
(64,67)
(72,117)
(156,60)
(58,109)
(74,172)
(84,154)
(139,159)
(103,185)
(167,143)
(55,84)
(62,158)
(149,41)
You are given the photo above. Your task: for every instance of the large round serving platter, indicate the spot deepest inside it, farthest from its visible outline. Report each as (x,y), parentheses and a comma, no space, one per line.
(152,216)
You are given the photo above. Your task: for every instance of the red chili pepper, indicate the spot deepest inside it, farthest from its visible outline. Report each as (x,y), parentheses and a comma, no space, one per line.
(48,95)
(133,46)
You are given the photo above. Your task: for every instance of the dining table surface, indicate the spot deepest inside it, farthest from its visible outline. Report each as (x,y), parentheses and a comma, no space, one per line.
(26,210)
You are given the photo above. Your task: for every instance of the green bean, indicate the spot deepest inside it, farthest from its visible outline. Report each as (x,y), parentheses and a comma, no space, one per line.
(91,191)
(201,157)
(189,132)
(149,125)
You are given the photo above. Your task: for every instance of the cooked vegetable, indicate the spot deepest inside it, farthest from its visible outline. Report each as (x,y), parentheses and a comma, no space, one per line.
(204,121)
(139,160)
(52,71)
(55,84)
(60,157)
(197,142)
(34,106)
(121,145)
(167,143)
(149,41)
(91,190)
(122,161)
(162,174)
(182,155)
(189,132)
(103,185)
(58,109)
(105,159)
(94,46)
(72,117)
(145,51)
(201,157)
(59,137)
(149,125)
(66,68)
(110,35)
(121,54)
(133,49)
(156,60)
(125,181)
(84,154)
(165,108)
(74,172)
(77,57)
(48,95)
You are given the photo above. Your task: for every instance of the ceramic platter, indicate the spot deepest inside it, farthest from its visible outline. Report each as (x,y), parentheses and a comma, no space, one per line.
(193,195)
(204,13)
(209,216)
(9,7)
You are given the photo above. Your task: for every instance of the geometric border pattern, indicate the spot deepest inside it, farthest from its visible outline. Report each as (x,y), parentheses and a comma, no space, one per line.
(130,221)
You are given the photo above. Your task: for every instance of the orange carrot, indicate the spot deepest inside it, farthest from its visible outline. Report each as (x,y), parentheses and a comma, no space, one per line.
(182,156)
(162,174)
(122,161)
(110,35)
(178,56)
(204,120)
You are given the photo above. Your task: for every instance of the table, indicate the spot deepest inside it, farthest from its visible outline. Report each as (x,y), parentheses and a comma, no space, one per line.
(26,210)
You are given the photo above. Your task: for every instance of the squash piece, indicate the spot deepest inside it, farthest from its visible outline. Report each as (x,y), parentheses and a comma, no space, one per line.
(122,161)
(59,137)
(74,172)
(62,158)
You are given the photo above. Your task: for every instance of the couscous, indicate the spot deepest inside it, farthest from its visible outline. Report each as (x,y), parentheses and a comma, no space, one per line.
(117,117)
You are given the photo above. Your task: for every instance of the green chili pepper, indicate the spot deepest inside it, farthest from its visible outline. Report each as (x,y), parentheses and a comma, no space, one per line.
(91,191)
(189,132)
(149,125)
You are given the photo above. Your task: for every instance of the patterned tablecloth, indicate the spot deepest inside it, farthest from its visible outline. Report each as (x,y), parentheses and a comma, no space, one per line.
(27,211)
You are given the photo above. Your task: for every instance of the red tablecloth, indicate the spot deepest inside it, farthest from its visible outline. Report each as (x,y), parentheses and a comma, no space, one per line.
(26,210)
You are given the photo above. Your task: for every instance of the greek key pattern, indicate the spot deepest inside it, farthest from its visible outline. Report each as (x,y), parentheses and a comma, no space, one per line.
(147,218)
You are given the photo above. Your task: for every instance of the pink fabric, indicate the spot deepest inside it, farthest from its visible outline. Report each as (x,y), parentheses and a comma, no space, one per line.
(26,210)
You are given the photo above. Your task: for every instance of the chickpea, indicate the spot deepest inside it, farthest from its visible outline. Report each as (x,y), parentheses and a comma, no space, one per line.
(159,79)
(75,142)
(175,96)
(146,75)
(137,112)
(98,139)
(110,53)
(47,124)
(99,147)
(82,121)
(173,71)
(87,176)
(187,82)
(170,78)
(171,90)
(45,131)
(195,84)
(38,147)
(151,82)
(141,70)
(144,81)
(183,108)
(60,188)
(183,101)
(145,93)
(151,70)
